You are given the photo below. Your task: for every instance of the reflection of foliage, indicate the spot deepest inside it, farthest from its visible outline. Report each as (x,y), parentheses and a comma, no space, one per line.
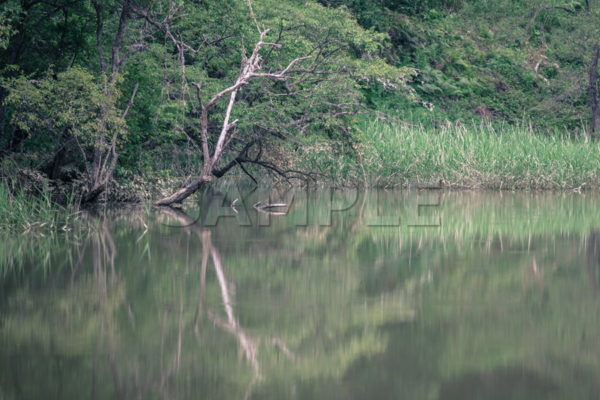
(341,311)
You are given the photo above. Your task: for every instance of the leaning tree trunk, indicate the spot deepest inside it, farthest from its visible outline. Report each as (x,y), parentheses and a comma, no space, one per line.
(184,192)
(595,92)
(249,70)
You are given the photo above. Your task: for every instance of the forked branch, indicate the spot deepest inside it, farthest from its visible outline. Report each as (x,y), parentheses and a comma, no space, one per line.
(249,70)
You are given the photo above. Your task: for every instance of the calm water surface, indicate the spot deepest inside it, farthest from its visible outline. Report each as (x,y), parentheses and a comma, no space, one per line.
(458,296)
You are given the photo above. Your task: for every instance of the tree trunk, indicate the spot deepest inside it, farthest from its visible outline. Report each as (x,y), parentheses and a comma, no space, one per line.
(595,92)
(92,194)
(3,121)
(184,192)
(105,156)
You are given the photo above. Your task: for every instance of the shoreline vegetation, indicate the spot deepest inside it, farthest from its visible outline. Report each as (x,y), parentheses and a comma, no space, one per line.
(386,156)
(134,101)
(26,212)
(457,156)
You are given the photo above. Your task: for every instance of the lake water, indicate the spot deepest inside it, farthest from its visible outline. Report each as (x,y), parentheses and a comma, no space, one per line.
(340,295)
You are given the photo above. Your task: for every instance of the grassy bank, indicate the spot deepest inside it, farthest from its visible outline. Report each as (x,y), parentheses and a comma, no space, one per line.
(475,156)
(26,212)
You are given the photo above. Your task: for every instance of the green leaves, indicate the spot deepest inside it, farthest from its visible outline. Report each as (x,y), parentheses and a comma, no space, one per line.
(5,32)
(70,103)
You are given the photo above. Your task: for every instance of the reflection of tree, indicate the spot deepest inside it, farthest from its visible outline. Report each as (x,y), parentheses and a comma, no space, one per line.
(103,261)
(149,311)
(131,328)
(248,344)
(593,258)
(230,323)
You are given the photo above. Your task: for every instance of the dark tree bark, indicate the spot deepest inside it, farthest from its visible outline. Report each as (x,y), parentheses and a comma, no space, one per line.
(105,156)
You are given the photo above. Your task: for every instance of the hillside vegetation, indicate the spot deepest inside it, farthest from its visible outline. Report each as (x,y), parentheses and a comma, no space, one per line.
(507,60)
(133,99)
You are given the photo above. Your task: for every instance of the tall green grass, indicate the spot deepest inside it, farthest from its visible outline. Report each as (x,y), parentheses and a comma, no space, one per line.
(22,212)
(473,156)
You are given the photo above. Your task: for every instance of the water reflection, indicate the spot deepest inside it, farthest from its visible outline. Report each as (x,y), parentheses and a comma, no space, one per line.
(593,259)
(499,302)
(505,383)
(247,344)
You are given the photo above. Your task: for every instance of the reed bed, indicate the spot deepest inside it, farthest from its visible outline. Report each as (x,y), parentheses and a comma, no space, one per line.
(20,212)
(511,157)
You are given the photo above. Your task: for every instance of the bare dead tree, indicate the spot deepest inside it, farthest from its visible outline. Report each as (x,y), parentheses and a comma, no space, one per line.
(595,92)
(311,81)
(249,70)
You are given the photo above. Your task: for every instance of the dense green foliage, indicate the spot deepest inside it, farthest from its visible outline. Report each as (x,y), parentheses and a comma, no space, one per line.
(100,96)
(490,59)
(65,93)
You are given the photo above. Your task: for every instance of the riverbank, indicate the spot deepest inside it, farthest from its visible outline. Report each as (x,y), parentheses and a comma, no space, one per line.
(385,155)
(461,156)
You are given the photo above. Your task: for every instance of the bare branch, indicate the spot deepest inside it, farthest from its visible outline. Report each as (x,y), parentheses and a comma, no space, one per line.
(283,74)
(248,70)
(131,100)
(164,27)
